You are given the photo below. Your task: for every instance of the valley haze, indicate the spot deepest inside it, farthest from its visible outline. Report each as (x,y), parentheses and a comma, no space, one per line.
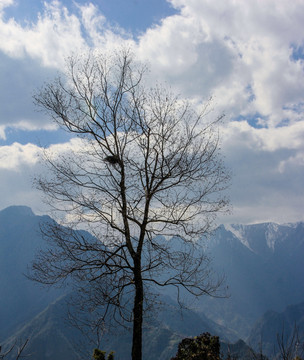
(263,267)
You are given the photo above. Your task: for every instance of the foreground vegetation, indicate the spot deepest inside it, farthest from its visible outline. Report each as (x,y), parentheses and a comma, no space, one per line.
(202,347)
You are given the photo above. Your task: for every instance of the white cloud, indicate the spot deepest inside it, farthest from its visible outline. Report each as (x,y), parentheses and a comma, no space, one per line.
(58,33)
(16,156)
(223,48)
(239,133)
(19,165)
(293,162)
(267,168)
(2,132)
(5,3)
(100,33)
(32,53)
(239,52)
(181,52)
(19,79)
(50,40)
(268,172)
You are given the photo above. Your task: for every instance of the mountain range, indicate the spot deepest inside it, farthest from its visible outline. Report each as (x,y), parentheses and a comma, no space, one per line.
(262,264)
(275,329)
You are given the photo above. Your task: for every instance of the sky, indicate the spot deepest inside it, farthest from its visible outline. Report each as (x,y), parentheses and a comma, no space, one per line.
(247,55)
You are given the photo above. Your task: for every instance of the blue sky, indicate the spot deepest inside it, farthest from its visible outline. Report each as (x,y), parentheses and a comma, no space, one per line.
(133,15)
(247,55)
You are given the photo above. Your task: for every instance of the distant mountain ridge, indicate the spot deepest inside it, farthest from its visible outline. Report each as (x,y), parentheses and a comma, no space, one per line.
(274,326)
(19,241)
(29,311)
(270,235)
(263,265)
(17,210)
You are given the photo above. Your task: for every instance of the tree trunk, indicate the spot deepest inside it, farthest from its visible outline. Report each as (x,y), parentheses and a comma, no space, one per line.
(137,312)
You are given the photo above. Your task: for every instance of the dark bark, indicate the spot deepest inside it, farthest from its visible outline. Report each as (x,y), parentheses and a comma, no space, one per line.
(137,313)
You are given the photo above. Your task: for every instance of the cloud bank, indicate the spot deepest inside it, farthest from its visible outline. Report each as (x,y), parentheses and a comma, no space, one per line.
(247,55)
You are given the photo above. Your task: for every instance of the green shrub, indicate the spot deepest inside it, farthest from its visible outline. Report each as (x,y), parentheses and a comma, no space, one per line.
(101,355)
(202,347)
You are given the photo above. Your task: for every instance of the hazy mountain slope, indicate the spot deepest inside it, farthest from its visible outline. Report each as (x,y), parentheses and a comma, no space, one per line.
(49,336)
(273,324)
(19,240)
(31,312)
(262,263)
(264,271)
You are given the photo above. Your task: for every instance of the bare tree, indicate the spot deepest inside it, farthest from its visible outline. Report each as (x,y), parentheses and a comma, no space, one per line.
(292,347)
(19,350)
(146,180)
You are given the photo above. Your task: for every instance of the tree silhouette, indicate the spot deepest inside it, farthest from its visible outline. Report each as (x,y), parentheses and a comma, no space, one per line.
(146,180)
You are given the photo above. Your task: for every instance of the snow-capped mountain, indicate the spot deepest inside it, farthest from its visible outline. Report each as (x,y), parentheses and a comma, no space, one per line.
(266,237)
(263,265)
